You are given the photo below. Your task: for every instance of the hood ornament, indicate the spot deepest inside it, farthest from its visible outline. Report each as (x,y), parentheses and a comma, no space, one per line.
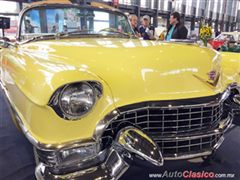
(213,77)
(212,80)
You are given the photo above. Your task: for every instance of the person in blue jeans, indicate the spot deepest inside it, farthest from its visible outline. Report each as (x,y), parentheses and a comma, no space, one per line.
(146,30)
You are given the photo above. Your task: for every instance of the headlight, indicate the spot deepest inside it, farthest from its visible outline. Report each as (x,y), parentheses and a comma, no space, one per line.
(75,100)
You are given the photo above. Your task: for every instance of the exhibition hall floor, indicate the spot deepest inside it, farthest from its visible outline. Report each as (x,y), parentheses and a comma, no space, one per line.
(17,161)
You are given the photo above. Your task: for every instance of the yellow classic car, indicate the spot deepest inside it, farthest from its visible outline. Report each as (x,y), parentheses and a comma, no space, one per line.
(92,98)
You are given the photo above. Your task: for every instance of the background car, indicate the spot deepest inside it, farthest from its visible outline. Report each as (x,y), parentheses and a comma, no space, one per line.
(220,40)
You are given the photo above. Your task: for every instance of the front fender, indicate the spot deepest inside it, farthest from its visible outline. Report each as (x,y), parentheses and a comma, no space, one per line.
(230,67)
(29,83)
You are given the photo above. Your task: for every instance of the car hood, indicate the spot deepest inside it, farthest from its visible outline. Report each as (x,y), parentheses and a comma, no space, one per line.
(134,70)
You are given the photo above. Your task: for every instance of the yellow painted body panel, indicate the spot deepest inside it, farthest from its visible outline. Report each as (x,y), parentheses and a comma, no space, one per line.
(231,66)
(130,71)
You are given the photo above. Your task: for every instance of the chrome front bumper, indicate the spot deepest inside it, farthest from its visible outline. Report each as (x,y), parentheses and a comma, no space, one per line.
(113,168)
(129,145)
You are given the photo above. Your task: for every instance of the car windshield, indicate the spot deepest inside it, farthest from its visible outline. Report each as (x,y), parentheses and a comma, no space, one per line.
(73,20)
(224,37)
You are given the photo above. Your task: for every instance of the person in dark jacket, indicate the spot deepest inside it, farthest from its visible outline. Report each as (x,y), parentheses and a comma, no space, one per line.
(176,29)
(146,30)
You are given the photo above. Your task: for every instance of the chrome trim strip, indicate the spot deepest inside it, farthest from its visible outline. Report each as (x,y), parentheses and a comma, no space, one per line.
(189,156)
(227,123)
(220,141)
(102,125)
(170,104)
(185,41)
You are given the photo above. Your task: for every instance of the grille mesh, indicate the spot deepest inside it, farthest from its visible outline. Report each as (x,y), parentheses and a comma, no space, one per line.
(179,121)
(187,146)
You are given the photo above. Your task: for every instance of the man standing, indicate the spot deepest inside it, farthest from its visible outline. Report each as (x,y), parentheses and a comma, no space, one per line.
(28,27)
(146,31)
(134,23)
(176,30)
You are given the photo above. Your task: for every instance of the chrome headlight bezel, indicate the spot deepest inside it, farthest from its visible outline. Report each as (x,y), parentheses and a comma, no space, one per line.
(56,101)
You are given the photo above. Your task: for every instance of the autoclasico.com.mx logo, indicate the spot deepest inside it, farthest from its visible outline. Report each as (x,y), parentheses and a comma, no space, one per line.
(192,174)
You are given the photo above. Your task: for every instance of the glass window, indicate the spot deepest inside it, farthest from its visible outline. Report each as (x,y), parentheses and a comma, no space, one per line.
(128,2)
(101,20)
(103,16)
(31,23)
(225,37)
(43,21)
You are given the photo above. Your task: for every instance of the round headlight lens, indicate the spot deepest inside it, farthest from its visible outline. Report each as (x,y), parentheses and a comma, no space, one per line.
(77,99)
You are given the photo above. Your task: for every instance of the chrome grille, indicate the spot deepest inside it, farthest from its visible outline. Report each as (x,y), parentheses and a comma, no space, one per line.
(177,147)
(169,122)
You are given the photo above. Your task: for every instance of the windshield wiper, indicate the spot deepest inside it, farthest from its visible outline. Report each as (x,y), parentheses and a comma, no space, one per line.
(42,37)
(85,31)
(53,35)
